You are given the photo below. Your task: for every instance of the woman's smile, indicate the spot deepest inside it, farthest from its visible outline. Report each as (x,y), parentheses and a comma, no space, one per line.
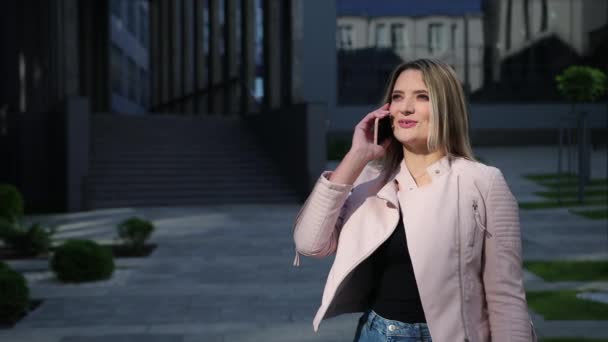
(407,123)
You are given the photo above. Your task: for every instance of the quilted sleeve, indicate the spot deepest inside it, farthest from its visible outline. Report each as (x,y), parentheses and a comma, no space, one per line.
(318,224)
(502,272)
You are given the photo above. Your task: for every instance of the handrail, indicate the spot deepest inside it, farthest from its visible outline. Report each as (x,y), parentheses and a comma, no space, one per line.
(205,92)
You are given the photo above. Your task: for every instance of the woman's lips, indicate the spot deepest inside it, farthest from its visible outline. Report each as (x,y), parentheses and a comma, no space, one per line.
(407,123)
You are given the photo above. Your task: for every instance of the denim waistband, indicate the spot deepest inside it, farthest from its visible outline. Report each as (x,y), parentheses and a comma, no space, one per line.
(395,328)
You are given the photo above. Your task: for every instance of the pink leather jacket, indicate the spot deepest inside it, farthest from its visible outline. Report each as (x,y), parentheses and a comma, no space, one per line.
(463,237)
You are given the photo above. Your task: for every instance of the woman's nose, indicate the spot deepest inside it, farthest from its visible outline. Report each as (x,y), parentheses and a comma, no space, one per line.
(408,106)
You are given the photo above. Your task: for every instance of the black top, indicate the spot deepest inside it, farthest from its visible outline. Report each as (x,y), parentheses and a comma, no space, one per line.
(395,295)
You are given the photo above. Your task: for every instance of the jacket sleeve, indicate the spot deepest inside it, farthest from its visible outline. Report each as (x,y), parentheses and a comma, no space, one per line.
(317,226)
(502,272)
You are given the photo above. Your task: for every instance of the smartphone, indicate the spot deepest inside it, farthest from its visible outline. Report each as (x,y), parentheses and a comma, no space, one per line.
(382,129)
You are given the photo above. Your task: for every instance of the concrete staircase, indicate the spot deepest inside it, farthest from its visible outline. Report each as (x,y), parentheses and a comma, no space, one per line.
(166,160)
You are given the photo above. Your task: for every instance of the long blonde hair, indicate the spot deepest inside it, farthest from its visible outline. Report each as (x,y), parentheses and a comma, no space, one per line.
(449,125)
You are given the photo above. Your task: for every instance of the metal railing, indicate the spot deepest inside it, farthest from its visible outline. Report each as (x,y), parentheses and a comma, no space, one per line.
(247,97)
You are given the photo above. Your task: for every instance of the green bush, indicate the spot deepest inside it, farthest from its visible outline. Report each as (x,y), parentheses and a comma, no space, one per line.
(337,148)
(11,203)
(135,231)
(82,260)
(32,241)
(580,83)
(14,294)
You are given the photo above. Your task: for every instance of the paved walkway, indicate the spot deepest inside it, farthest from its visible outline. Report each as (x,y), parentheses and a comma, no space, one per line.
(224,273)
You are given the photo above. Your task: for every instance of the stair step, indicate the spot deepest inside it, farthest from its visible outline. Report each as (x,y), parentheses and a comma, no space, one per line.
(171,160)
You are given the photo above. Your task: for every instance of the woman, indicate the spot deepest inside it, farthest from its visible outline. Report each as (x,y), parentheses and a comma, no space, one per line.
(427,239)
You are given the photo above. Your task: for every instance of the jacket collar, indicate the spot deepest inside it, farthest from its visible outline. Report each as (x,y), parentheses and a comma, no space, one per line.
(403,177)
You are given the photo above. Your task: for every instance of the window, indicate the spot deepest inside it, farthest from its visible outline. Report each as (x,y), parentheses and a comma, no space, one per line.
(345,37)
(435,38)
(381,36)
(132,80)
(398,36)
(116,58)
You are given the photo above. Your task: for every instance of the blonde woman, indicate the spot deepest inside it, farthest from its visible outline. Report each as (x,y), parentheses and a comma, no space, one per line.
(426,239)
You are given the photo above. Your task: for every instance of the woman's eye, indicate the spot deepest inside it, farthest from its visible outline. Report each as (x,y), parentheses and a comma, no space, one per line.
(395,97)
(423,97)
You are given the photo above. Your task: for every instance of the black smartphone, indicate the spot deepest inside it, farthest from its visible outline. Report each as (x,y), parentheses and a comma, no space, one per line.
(383,129)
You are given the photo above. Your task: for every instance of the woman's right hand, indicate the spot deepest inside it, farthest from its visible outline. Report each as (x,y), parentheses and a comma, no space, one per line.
(363,137)
(362,151)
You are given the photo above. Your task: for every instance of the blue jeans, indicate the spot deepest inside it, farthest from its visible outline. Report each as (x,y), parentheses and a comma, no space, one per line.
(375,328)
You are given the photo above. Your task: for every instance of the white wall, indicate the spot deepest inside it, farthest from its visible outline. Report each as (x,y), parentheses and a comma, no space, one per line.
(416,41)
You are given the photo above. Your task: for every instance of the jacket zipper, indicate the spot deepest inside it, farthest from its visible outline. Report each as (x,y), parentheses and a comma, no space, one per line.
(459,240)
(478,224)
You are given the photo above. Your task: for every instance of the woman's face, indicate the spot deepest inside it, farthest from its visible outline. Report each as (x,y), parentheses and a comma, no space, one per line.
(411,110)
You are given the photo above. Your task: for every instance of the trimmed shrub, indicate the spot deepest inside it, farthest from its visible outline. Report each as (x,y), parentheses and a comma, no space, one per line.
(14,294)
(81,261)
(11,203)
(579,83)
(134,232)
(33,241)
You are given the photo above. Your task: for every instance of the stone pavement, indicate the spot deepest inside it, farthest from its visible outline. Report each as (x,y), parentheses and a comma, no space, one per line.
(224,273)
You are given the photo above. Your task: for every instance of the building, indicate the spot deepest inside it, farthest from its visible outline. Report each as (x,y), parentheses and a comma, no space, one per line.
(451,31)
(217,71)
(129,56)
(529,42)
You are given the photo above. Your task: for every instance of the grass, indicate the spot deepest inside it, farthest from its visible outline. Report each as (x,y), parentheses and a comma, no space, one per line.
(599,214)
(566,203)
(568,193)
(563,305)
(565,180)
(596,193)
(584,270)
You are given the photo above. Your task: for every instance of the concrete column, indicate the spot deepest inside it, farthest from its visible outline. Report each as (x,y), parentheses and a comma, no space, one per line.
(230,62)
(77,152)
(165,55)
(155,53)
(70,66)
(9,67)
(314,52)
(247,53)
(286,52)
(201,59)
(215,62)
(177,53)
(188,52)
(94,41)
(272,53)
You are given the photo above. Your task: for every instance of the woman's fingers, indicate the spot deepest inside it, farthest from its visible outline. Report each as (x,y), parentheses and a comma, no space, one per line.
(378,113)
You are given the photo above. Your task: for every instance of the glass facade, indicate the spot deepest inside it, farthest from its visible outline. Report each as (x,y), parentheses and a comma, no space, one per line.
(502,51)
(129,55)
